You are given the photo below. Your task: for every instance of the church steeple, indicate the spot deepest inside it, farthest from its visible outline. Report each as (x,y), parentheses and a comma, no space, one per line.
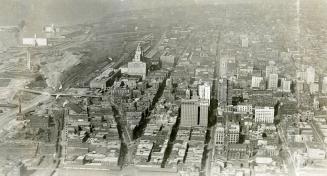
(138,53)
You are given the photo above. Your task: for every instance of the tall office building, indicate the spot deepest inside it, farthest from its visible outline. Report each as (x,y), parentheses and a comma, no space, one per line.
(227,66)
(264,114)
(256,81)
(301,75)
(273,81)
(286,85)
(137,67)
(244,41)
(188,94)
(310,75)
(194,112)
(167,60)
(271,69)
(204,91)
(324,85)
(299,86)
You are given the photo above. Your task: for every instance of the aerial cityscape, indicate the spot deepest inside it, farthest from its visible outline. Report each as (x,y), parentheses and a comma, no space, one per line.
(163,87)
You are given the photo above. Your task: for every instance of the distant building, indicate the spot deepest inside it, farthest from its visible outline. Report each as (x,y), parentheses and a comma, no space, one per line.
(51,29)
(18,169)
(310,75)
(42,122)
(264,114)
(237,151)
(167,60)
(256,81)
(271,69)
(35,41)
(244,41)
(286,85)
(315,151)
(314,88)
(188,94)
(204,91)
(273,81)
(137,67)
(106,79)
(244,108)
(299,86)
(194,112)
(324,85)
(227,66)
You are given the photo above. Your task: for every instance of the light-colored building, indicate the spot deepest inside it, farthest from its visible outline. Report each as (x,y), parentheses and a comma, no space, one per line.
(264,114)
(271,69)
(244,108)
(315,151)
(204,91)
(324,85)
(273,81)
(106,78)
(220,134)
(310,75)
(226,63)
(137,67)
(100,82)
(299,86)
(285,85)
(244,41)
(256,80)
(233,133)
(167,60)
(51,28)
(232,136)
(194,112)
(301,75)
(36,41)
(314,88)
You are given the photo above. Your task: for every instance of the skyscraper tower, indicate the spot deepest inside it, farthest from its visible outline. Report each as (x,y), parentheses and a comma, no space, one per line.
(136,67)
(273,81)
(194,112)
(204,91)
(310,76)
(324,85)
(138,54)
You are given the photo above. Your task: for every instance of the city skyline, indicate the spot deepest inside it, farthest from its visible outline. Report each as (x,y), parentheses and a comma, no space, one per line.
(163,88)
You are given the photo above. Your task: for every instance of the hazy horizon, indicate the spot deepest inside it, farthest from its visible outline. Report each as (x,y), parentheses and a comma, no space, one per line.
(37,13)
